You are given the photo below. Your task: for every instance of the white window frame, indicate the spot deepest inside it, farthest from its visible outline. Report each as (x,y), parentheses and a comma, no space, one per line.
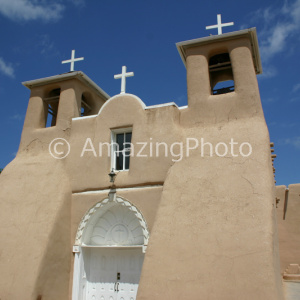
(114,133)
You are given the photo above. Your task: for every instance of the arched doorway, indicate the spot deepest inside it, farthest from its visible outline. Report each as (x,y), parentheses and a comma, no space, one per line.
(110,246)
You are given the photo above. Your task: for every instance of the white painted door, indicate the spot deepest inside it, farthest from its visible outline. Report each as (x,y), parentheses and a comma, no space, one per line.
(129,268)
(113,274)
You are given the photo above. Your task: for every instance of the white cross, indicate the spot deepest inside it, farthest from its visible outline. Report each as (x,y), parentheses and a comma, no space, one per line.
(123,78)
(72,60)
(219,25)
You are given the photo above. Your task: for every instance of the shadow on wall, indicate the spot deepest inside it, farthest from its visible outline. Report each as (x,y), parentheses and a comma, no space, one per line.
(55,268)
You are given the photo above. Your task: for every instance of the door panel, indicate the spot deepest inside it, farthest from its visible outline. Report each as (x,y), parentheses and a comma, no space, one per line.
(113,274)
(101,275)
(130,266)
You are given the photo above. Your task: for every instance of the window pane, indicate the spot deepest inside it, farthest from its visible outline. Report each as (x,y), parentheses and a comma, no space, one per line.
(119,160)
(120,140)
(126,158)
(128,137)
(121,148)
(127,146)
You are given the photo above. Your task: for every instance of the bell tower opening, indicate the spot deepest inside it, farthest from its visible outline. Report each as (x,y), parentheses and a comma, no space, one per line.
(85,105)
(221,76)
(51,107)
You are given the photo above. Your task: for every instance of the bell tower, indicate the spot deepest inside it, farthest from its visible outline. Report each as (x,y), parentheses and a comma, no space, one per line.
(54,101)
(221,72)
(215,233)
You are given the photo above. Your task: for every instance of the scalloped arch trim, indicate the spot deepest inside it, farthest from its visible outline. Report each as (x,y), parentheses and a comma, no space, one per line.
(116,199)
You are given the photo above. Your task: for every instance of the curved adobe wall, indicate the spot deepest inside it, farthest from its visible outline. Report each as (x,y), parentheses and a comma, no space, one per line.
(35,206)
(215,231)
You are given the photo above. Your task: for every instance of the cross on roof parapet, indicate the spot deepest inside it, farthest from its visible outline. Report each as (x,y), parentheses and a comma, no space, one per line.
(123,76)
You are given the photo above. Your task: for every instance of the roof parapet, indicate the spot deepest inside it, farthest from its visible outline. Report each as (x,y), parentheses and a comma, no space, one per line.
(66,76)
(249,33)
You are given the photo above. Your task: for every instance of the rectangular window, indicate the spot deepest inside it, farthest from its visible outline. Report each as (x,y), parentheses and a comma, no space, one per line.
(121,144)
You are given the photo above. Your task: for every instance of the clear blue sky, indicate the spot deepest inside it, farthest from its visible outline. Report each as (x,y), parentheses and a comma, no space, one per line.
(38,34)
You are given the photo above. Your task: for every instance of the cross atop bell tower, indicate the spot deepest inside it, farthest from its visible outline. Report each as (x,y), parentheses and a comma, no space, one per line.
(72,60)
(219,25)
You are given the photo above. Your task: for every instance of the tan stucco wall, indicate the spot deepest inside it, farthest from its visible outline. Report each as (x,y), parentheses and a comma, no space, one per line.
(35,229)
(288,214)
(216,236)
(148,125)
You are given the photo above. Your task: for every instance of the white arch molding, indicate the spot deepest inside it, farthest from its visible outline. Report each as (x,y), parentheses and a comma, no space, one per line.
(111,225)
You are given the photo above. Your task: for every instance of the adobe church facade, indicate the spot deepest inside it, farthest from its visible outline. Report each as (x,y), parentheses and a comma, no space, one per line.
(189,214)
